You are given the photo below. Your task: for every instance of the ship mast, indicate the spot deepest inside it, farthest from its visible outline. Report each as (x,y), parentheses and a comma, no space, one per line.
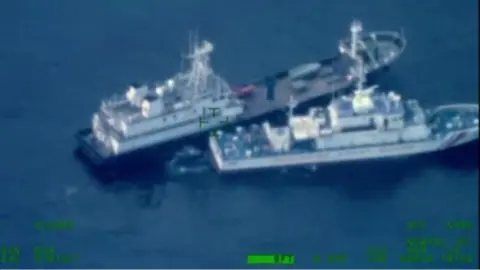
(357,42)
(359,72)
(355,30)
(199,67)
(361,101)
(292,103)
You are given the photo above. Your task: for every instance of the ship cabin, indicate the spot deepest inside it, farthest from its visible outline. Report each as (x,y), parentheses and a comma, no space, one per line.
(180,100)
(144,108)
(362,119)
(368,118)
(364,110)
(126,115)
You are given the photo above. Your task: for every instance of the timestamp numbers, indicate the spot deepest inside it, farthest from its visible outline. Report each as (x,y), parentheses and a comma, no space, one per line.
(54,225)
(9,255)
(48,255)
(457,258)
(459,225)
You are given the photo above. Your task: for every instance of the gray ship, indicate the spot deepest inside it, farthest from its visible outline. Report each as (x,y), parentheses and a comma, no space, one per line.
(198,100)
(359,126)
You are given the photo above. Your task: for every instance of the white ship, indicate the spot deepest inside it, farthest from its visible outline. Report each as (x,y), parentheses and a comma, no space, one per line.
(360,126)
(133,126)
(183,105)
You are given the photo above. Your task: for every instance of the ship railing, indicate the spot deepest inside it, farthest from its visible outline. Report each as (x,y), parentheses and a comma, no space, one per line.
(418,116)
(115,101)
(106,110)
(457,106)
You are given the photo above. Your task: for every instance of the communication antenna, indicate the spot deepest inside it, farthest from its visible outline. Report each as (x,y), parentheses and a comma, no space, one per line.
(199,56)
(360,72)
(292,103)
(355,29)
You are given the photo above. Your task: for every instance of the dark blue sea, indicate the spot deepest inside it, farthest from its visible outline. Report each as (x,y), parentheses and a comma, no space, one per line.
(59,58)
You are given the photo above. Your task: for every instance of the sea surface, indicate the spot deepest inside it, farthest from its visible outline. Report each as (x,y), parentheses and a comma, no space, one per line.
(59,58)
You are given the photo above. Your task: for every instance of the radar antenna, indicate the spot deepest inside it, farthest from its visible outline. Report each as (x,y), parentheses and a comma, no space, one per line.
(360,73)
(199,66)
(356,43)
(356,29)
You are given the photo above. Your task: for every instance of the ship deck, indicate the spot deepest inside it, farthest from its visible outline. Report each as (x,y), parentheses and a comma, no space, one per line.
(234,146)
(332,77)
(258,104)
(382,48)
(453,117)
(90,148)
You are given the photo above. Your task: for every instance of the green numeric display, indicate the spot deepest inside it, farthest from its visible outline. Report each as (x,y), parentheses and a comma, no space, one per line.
(271,259)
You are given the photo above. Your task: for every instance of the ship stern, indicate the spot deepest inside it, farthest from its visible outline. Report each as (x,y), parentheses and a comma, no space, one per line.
(459,123)
(90,150)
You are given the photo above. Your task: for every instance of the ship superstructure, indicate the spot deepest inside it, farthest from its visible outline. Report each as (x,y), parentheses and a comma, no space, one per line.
(306,82)
(359,126)
(198,100)
(149,115)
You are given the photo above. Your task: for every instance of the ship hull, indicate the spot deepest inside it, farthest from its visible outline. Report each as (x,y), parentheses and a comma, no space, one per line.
(139,160)
(89,153)
(340,156)
(267,98)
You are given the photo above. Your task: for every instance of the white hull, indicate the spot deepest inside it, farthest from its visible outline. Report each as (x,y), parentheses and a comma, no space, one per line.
(166,135)
(454,139)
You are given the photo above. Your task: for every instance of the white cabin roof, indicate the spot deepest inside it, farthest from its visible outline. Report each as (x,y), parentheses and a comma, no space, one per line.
(304,127)
(381,103)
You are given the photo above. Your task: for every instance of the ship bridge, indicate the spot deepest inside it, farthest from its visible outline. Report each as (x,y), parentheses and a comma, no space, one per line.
(364,107)
(304,127)
(181,98)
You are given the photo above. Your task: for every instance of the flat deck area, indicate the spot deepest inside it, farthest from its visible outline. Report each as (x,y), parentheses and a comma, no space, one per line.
(331,77)
(382,48)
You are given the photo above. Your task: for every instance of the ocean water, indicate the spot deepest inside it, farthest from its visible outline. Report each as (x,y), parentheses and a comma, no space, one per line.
(58,59)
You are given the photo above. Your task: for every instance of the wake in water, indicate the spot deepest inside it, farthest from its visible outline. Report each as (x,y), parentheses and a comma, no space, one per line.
(189,160)
(193,160)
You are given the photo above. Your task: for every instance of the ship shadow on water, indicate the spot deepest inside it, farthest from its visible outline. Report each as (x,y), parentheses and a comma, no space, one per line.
(153,164)
(365,180)
(463,158)
(149,164)
(145,184)
(357,180)
(146,190)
